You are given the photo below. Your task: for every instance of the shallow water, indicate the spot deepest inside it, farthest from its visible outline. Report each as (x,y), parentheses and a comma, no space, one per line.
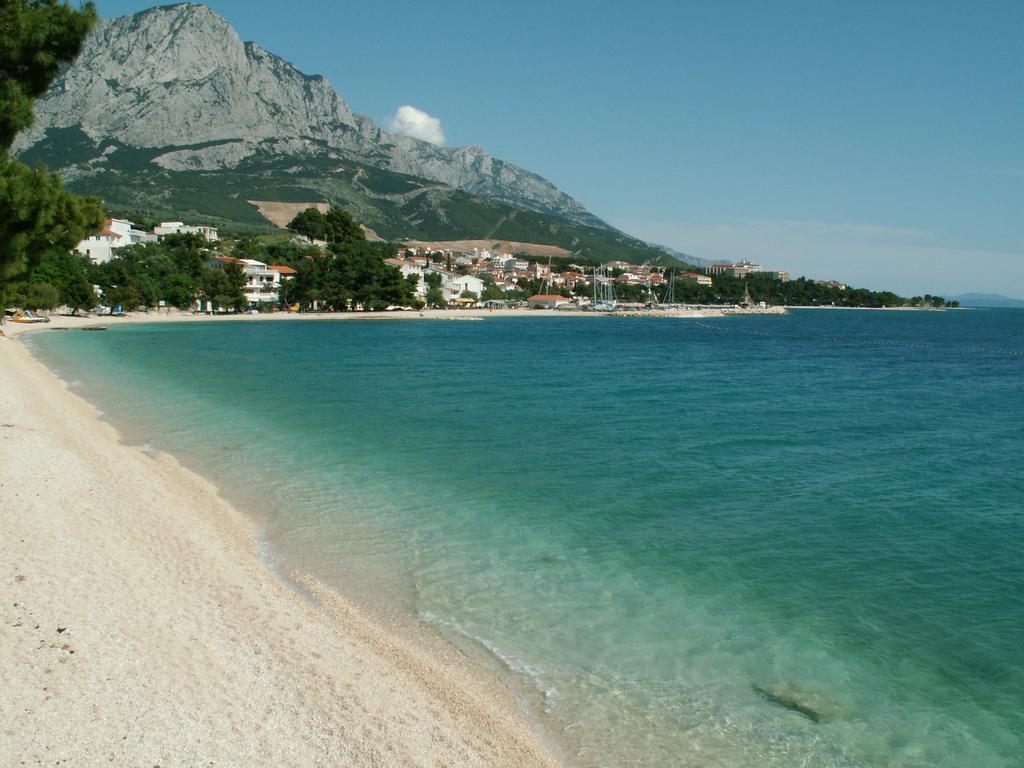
(647,520)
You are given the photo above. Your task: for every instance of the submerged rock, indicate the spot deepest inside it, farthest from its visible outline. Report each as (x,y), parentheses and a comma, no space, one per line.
(809,702)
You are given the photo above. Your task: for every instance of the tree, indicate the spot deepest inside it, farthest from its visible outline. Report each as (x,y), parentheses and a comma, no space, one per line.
(179,290)
(309,223)
(79,294)
(41,296)
(36,213)
(341,227)
(435,298)
(223,286)
(336,226)
(68,273)
(38,37)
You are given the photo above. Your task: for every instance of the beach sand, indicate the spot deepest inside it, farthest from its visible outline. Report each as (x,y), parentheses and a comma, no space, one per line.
(138,626)
(176,316)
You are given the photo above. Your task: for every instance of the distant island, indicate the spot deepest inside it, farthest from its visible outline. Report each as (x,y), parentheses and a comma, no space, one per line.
(989,301)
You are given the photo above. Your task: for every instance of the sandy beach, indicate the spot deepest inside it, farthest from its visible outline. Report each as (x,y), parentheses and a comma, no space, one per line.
(73,321)
(139,626)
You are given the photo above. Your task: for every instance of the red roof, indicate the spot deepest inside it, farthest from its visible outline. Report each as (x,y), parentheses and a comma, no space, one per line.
(282,269)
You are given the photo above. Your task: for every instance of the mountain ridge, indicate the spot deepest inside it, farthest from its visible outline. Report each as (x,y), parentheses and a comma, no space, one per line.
(179,76)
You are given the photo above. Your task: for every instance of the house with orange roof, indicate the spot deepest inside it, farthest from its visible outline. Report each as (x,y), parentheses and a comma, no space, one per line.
(285,272)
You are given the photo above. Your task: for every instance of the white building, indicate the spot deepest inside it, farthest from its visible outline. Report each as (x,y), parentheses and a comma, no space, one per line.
(742,269)
(411,267)
(261,282)
(517,264)
(453,284)
(178,228)
(116,233)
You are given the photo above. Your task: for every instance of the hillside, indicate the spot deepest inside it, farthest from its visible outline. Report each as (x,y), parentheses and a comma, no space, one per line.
(395,206)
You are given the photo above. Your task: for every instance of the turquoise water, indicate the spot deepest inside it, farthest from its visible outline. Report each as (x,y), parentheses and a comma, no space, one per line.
(646,520)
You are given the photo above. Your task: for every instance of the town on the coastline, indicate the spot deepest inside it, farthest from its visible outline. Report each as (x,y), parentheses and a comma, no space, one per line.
(316,268)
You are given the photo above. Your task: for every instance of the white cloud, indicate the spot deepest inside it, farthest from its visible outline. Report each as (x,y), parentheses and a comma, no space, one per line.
(409,121)
(907,261)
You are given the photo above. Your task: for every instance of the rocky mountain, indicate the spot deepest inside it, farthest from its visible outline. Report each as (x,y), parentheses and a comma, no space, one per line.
(173,90)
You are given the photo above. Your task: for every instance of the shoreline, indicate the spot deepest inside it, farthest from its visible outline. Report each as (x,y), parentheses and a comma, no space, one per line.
(142,624)
(60,322)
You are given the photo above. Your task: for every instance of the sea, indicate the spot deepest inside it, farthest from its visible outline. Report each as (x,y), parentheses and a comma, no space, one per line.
(745,541)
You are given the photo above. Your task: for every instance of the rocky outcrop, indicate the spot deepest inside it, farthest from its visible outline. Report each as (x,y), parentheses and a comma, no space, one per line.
(178,78)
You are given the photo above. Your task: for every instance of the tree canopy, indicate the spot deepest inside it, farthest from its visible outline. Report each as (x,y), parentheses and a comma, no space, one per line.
(37,214)
(350,276)
(335,226)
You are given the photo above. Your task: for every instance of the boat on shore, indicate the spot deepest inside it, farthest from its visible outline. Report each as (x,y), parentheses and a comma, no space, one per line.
(28,316)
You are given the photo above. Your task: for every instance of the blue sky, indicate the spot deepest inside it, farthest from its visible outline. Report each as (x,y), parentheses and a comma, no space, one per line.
(879,143)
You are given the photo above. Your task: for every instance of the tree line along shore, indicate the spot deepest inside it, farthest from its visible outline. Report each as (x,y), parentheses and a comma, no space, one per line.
(346,272)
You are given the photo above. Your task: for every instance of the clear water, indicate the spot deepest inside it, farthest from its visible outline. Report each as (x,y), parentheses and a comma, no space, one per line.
(645,519)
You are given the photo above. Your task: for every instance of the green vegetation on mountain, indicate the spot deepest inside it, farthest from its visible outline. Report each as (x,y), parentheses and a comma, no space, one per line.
(395,206)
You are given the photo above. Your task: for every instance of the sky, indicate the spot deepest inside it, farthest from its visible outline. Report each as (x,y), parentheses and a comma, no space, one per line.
(876,143)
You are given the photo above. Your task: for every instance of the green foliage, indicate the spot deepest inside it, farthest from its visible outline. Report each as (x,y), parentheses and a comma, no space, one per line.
(492,291)
(726,289)
(414,209)
(350,276)
(285,253)
(435,298)
(41,296)
(341,227)
(36,214)
(68,273)
(932,301)
(309,223)
(177,270)
(36,37)
(179,290)
(222,286)
(335,226)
